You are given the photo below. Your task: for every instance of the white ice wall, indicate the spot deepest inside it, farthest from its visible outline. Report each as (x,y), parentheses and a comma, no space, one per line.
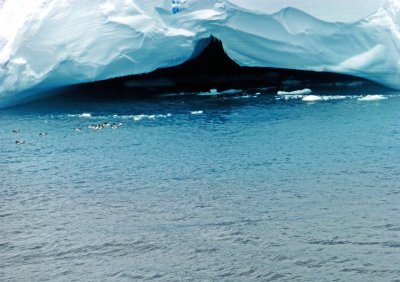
(327,10)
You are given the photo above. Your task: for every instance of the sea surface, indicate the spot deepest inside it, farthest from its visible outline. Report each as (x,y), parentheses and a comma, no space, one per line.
(240,186)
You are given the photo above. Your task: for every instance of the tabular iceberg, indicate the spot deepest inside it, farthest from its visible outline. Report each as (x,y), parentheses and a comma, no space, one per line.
(47,44)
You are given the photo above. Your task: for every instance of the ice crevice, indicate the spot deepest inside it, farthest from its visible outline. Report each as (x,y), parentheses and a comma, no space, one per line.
(49,44)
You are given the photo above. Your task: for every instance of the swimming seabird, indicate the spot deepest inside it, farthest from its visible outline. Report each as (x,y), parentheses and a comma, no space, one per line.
(115,125)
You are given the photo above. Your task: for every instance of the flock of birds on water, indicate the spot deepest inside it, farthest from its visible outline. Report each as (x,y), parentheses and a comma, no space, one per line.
(78,129)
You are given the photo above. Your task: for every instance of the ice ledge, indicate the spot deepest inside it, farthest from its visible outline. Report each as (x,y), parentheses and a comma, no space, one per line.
(45,45)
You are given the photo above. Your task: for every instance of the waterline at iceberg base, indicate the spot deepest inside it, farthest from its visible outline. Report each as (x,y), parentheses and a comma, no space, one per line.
(50,44)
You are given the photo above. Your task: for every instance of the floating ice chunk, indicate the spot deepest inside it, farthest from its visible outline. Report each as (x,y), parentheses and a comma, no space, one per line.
(372,98)
(196,112)
(312,98)
(304,91)
(85,115)
(212,92)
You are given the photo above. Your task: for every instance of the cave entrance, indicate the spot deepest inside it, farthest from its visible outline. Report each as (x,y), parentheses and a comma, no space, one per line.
(210,68)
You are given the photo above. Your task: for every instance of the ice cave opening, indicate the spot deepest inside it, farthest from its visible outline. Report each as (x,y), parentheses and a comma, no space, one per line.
(209,68)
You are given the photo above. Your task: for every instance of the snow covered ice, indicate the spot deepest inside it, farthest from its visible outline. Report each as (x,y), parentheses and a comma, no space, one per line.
(48,44)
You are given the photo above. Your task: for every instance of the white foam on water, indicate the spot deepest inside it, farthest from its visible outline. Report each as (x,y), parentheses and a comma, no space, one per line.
(245,96)
(289,97)
(123,116)
(83,115)
(376,97)
(196,112)
(334,97)
(305,91)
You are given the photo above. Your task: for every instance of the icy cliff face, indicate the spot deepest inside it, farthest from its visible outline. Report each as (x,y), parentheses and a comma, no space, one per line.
(47,44)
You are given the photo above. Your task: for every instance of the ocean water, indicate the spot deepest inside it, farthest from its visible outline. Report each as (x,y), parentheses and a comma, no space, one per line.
(244,186)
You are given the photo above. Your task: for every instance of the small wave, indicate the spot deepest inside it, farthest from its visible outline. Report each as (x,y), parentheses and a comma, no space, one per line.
(245,96)
(372,98)
(338,97)
(123,116)
(304,91)
(142,116)
(196,112)
(181,94)
(83,115)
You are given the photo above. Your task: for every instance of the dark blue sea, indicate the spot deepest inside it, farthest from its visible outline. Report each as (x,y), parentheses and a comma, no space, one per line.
(239,186)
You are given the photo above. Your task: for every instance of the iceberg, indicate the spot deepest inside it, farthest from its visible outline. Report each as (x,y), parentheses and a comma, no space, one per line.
(304,91)
(49,44)
(376,97)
